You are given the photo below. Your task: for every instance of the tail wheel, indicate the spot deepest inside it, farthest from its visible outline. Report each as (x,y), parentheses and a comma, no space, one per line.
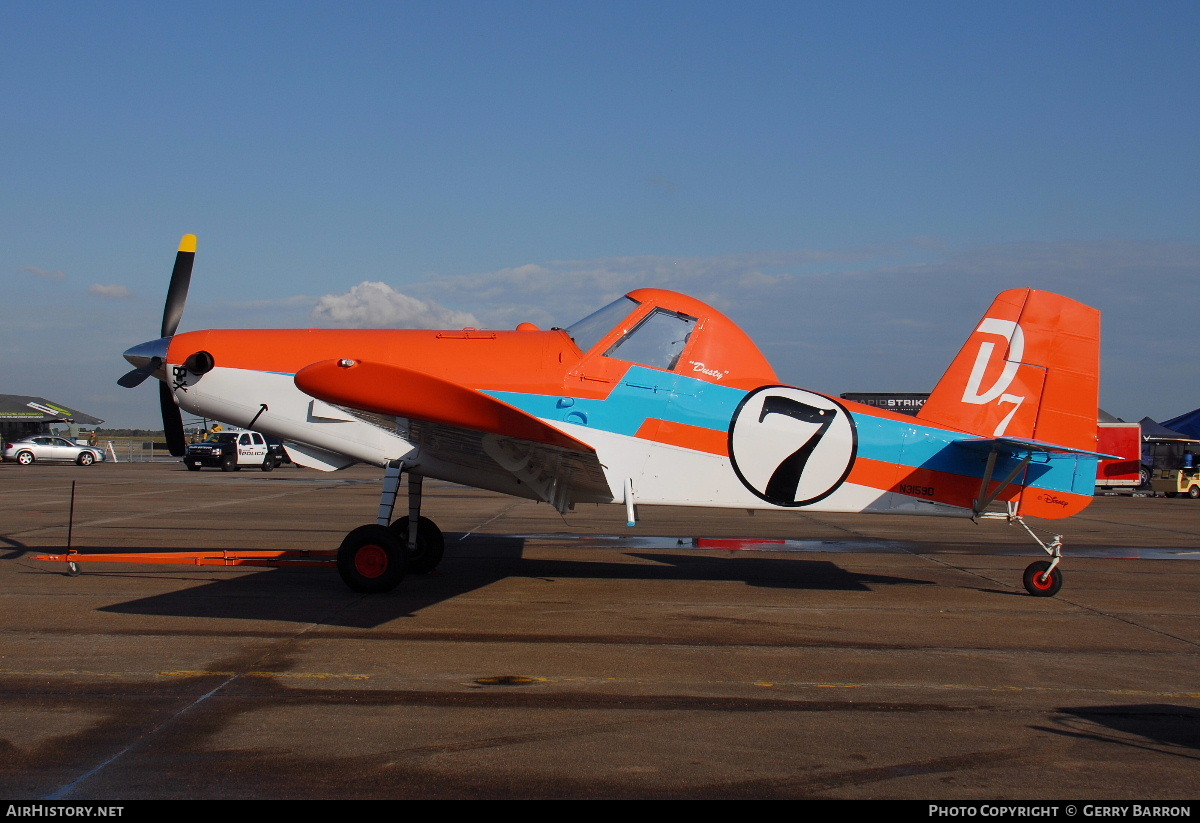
(1038,583)
(431,544)
(371,559)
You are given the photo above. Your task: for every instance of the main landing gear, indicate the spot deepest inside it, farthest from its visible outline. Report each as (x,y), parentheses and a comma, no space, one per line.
(374,558)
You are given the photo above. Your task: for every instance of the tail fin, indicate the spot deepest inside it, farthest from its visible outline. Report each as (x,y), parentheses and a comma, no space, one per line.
(1031,369)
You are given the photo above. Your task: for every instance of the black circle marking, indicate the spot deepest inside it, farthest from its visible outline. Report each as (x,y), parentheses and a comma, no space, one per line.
(791,447)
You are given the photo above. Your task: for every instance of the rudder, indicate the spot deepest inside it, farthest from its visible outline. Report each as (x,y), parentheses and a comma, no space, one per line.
(1030,369)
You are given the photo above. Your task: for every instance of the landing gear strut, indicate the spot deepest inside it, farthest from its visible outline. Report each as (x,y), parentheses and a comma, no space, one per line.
(374,558)
(1043,578)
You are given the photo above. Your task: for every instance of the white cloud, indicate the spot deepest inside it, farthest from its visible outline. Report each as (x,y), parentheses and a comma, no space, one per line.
(559,292)
(44,273)
(377,305)
(113,291)
(889,318)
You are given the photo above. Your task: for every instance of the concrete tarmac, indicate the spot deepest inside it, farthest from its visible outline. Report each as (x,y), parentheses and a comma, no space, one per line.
(551,657)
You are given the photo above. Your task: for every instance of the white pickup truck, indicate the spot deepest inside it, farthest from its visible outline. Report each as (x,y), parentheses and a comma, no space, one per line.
(230,450)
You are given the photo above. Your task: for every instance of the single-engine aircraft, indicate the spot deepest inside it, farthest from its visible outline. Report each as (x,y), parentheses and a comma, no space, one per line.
(655,399)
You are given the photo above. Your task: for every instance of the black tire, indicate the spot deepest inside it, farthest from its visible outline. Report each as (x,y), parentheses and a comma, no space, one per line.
(192,465)
(85,459)
(268,463)
(371,559)
(1035,585)
(431,544)
(229,463)
(1193,492)
(26,458)
(1144,474)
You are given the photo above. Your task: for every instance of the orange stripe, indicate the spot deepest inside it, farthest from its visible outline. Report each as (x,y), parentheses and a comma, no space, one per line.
(696,438)
(954,489)
(960,490)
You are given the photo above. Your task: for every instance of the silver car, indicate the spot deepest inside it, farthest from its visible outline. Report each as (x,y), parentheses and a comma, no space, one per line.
(49,447)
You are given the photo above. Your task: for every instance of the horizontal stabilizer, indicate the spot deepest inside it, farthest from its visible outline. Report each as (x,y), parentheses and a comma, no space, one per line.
(401,392)
(1021,446)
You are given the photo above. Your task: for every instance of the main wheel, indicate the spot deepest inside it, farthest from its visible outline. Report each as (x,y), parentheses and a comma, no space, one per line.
(1038,584)
(371,559)
(85,459)
(431,544)
(25,458)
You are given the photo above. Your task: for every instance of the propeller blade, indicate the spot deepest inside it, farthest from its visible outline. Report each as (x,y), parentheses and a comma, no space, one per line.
(135,377)
(172,421)
(181,278)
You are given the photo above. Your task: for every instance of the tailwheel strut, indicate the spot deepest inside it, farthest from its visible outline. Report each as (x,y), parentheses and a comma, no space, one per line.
(1043,578)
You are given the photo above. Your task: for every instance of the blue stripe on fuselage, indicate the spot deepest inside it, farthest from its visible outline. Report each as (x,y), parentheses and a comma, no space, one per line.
(645,393)
(640,395)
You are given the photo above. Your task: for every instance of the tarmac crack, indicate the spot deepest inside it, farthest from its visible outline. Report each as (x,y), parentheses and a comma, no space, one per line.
(155,514)
(249,669)
(66,791)
(856,777)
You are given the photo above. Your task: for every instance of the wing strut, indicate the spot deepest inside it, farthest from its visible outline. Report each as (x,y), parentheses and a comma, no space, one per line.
(986,497)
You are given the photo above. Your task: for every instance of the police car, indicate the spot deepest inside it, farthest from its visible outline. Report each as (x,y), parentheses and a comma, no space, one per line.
(229,450)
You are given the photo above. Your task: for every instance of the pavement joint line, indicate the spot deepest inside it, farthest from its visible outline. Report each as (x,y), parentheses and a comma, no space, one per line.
(1093,610)
(151,514)
(503,511)
(775,684)
(65,791)
(1067,599)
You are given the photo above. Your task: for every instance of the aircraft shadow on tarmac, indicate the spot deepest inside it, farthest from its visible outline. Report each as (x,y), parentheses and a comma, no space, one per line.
(1154,726)
(318,595)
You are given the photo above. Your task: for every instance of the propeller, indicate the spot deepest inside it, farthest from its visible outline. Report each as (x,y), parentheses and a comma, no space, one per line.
(149,357)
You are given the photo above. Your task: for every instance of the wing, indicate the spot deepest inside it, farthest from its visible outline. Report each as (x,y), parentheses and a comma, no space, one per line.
(468,436)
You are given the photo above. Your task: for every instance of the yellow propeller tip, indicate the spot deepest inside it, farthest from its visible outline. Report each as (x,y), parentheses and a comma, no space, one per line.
(188,243)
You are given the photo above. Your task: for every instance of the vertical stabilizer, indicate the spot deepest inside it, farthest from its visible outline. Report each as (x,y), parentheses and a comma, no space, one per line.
(1031,369)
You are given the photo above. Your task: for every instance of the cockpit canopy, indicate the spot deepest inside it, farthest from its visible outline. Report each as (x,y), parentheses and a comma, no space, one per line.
(673,332)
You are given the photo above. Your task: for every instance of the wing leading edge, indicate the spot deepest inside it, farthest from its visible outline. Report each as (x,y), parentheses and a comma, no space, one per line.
(465,435)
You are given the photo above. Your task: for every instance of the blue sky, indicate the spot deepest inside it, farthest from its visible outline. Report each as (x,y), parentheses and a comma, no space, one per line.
(852,182)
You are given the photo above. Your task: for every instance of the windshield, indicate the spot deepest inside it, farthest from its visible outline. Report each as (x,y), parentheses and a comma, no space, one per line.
(589,331)
(657,341)
(221,437)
